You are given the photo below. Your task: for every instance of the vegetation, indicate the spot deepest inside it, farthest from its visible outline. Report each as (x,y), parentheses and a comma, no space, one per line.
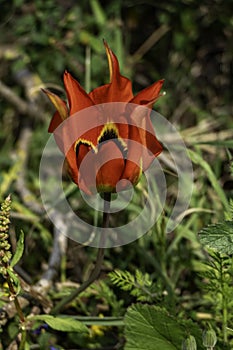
(162,291)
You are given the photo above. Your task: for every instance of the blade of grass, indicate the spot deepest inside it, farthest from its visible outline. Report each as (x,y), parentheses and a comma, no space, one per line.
(198,159)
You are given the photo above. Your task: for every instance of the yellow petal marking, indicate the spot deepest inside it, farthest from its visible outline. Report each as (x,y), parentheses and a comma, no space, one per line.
(110,64)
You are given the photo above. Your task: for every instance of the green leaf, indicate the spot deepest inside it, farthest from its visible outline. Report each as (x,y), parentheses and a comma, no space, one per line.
(218,236)
(219,143)
(15,280)
(27,346)
(19,250)
(62,324)
(108,321)
(91,40)
(149,327)
(98,12)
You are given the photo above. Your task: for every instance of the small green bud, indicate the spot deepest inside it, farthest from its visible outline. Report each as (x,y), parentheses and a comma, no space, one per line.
(5,215)
(7,257)
(209,338)
(189,343)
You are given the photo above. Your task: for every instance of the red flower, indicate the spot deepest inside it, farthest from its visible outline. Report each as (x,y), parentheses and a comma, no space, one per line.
(111,139)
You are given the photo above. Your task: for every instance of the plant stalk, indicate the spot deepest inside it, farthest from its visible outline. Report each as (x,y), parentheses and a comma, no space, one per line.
(224,322)
(23,340)
(99,260)
(14,297)
(16,302)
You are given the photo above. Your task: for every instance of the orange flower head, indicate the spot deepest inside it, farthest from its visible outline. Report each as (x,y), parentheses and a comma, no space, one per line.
(114,141)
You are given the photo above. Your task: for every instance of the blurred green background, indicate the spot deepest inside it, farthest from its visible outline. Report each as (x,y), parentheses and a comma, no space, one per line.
(187,42)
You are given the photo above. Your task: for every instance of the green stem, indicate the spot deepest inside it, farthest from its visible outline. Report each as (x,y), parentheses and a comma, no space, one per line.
(23,340)
(14,297)
(99,260)
(224,323)
(163,262)
(88,69)
(18,309)
(224,306)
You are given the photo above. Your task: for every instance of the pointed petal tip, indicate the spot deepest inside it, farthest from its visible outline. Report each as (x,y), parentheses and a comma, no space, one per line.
(107,48)
(112,60)
(162,81)
(66,75)
(46,91)
(58,103)
(106,44)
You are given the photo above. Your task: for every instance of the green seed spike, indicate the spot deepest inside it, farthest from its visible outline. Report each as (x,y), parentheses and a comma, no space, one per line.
(5,254)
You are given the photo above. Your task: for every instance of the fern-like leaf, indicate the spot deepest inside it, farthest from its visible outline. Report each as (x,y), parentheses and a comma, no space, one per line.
(139,285)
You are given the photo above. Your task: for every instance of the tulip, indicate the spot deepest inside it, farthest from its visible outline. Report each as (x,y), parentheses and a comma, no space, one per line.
(108,148)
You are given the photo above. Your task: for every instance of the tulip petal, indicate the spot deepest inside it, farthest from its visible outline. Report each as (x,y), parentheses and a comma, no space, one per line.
(82,148)
(62,110)
(118,91)
(72,165)
(148,95)
(110,172)
(102,170)
(114,114)
(55,122)
(142,131)
(120,87)
(85,177)
(59,104)
(77,97)
(133,165)
(112,61)
(132,172)
(100,94)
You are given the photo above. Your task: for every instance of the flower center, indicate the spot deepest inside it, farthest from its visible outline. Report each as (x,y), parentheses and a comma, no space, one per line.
(110,132)
(107,134)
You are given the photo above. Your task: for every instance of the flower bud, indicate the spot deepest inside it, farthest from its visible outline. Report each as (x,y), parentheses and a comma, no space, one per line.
(209,338)
(189,343)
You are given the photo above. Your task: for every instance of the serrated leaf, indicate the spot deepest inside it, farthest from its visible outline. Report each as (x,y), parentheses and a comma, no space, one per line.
(218,236)
(19,250)
(62,324)
(149,327)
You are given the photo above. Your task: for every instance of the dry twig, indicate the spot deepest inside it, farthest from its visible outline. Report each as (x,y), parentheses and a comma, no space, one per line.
(20,105)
